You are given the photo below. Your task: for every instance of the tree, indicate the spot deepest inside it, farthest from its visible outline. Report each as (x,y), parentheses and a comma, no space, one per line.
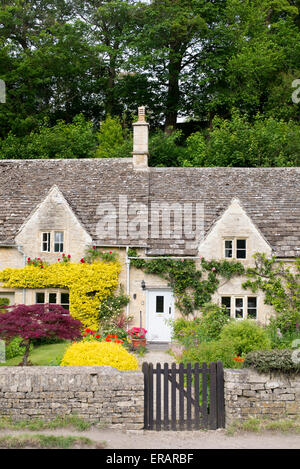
(238,142)
(38,321)
(62,140)
(114,141)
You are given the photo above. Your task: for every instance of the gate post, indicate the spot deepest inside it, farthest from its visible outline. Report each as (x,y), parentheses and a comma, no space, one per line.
(220,396)
(145,369)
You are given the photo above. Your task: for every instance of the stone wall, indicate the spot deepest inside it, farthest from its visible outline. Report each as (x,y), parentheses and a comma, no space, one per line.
(97,394)
(261,395)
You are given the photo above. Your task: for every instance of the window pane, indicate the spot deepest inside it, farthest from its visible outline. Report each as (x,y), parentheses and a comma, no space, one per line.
(40,298)
(58,241)
(64,300)
(228,248)
(52,298)
(239,308)
(241,249)
(46,242)
(159,304)
(252,307)
(226,301)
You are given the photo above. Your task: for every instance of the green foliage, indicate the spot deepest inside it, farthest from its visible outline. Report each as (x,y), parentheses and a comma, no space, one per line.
(75,140)
(15,348)
(4,302)
(190,289)
(245,336)
(114,141)
(166,150)
(212,351)
(272,360)
(280,284)
(212,321)
(239,142)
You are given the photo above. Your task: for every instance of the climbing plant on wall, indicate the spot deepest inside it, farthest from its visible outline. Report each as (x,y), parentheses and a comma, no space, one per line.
(192,286)
(88,284)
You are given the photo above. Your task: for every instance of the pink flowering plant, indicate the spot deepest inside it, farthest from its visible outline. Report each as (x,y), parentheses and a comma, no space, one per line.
(137,333)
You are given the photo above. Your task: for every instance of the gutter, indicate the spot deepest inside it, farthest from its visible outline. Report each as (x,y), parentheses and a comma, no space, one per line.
(24,259)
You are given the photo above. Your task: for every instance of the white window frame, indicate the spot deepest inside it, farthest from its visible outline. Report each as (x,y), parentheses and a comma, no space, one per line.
(245,298)
(48,241)
(234,240)
(51,241)
(57,292)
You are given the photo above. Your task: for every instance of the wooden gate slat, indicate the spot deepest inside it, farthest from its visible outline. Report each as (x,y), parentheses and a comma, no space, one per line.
(220,396)
(145,369)
(166,396)
(158,397)
(189,395)
(181,396)
(151,396)
(204,396)
(212,396)
(173,394)
(197,396)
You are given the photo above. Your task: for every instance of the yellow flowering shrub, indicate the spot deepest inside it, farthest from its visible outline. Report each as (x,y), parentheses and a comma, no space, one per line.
(99,354)
(88,284)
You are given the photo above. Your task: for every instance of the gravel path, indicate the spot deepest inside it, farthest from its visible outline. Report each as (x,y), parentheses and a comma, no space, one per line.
(210,439)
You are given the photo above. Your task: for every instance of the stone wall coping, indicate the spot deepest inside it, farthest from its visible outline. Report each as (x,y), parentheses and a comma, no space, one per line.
(65,370)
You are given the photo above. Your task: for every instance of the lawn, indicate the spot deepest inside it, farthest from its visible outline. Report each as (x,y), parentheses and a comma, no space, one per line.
(42,355)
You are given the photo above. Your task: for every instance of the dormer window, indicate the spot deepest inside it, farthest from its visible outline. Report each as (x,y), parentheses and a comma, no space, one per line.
(235,248)
(52,241)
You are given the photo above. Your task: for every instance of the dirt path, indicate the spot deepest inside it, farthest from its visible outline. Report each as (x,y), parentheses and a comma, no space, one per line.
(180,440)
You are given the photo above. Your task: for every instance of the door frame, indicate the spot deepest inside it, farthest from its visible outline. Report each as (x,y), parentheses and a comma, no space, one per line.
(158,289)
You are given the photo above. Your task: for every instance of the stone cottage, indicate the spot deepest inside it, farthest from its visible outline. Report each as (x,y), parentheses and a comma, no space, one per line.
(49,207)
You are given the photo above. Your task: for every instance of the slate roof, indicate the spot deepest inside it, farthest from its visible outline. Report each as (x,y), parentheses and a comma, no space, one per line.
(270,196)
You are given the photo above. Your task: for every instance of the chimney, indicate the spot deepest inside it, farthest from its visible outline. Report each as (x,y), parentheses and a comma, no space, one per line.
(140,141)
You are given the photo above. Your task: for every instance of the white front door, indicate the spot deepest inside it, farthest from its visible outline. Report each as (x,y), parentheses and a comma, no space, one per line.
(160,309)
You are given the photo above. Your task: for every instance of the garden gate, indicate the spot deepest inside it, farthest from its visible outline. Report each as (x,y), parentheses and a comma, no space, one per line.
(193,401)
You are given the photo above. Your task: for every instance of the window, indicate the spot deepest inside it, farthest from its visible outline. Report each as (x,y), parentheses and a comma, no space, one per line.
(241,249)
(228,248)
(40,298)
(52,298)
(64,300)
(160,304)
(239,308)
(46,242)
(226,301)
(252,307)
(235,248)
(58,241)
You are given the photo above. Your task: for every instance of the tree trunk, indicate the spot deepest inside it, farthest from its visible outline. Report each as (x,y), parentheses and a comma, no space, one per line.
(26,354)
(173,95)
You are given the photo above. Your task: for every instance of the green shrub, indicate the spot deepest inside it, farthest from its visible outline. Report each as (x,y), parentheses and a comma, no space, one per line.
(212,321)
(272,360)
(13,349)
(245,336)
(288,322)
(3,302)
(212,351)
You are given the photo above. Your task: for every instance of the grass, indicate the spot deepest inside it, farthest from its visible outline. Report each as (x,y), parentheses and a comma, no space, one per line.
(45,441)
(42,355)
(7,423)
(255,425)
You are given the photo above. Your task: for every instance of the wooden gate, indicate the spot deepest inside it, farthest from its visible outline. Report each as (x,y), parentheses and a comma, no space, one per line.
(183,398)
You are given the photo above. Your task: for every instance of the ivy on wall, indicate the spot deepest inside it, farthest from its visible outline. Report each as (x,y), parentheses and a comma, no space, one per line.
(192,287)
(88,284)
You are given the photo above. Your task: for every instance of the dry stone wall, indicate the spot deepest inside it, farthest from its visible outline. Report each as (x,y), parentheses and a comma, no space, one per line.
(261,395)
(98,394)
